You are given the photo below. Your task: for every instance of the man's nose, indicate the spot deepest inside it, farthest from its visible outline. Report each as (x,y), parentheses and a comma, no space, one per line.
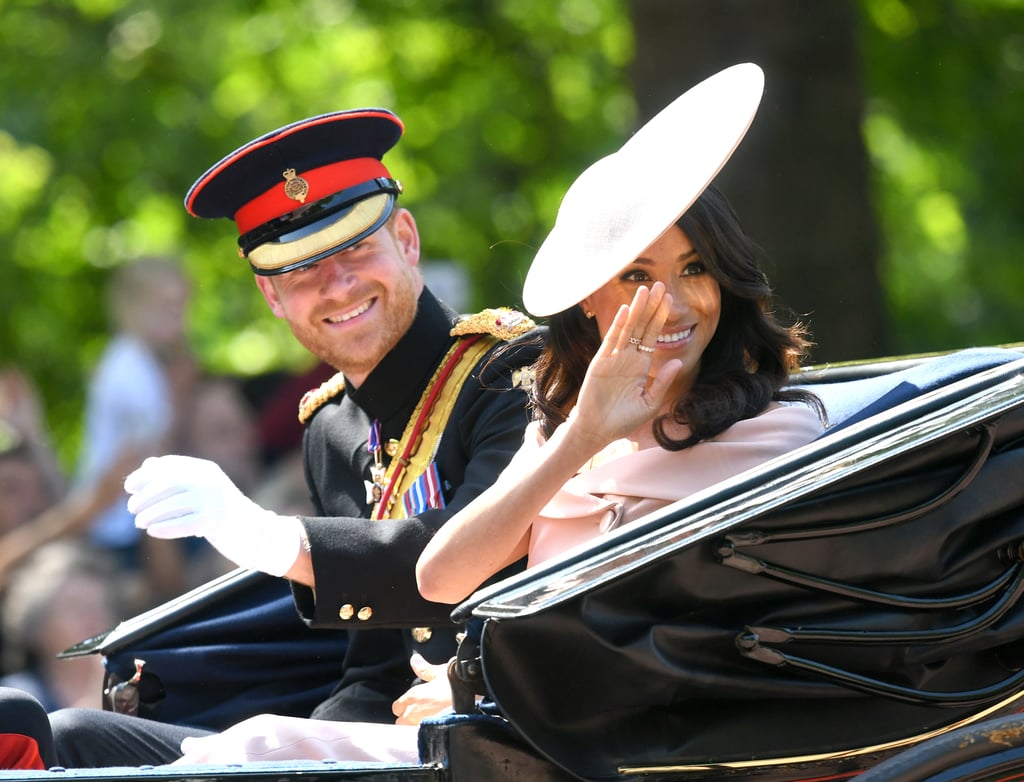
(336,274)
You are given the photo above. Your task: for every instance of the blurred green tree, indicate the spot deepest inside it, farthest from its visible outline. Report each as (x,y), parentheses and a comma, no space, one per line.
(799,181)
(882,173)
(110,109)
(943,127)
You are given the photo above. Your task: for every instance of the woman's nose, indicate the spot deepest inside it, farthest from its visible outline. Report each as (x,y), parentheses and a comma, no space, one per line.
(680,299)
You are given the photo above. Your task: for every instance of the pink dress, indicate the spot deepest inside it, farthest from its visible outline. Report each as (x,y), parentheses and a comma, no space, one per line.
(621,485)
(624,483)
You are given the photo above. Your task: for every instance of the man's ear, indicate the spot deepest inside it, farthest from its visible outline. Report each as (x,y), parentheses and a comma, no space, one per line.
(406,235)
(266,286)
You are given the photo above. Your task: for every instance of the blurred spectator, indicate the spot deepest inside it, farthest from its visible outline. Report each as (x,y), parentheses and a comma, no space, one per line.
(276,397)
(219,424)
(69,517)
(24,493)
(31,477)
(134,395)
(62,594)
(276,400)
(34,505)
(283,489)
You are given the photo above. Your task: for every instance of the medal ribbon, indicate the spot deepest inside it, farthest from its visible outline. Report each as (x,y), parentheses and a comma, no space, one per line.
(375,487)
(398,473)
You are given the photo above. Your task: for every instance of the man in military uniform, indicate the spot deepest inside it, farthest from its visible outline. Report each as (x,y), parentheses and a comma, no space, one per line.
(428,407)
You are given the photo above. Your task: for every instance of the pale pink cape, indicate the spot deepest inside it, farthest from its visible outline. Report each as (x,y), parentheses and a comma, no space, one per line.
(625,484)
(270,737)
(622,485)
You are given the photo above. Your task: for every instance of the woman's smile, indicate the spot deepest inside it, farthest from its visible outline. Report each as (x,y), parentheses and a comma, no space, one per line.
(674,338)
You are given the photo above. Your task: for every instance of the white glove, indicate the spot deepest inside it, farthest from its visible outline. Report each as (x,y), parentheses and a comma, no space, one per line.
(179,496)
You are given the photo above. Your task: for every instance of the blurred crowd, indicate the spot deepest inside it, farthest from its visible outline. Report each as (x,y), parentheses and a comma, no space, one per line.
(72,564)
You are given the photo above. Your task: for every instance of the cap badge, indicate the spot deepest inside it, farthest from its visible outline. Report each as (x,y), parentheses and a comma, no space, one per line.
(295,187)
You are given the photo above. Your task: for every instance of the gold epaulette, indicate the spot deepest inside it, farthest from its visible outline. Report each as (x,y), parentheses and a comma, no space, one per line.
(503,323)
(314,399)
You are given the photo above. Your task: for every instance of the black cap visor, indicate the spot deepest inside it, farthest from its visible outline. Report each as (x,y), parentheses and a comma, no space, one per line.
(314,232)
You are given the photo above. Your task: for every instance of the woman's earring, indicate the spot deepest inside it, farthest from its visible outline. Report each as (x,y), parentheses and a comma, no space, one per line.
(589,314)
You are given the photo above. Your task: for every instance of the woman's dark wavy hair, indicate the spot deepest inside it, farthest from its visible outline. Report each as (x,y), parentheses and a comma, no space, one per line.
(745,365)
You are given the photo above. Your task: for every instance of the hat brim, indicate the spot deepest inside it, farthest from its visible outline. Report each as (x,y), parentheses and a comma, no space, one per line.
(622,203)
(317,240)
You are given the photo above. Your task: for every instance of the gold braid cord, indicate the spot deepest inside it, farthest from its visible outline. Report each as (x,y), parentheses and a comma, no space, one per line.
(423,432)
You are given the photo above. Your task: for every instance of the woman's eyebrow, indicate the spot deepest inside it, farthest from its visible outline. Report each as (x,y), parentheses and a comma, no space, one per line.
(644,261)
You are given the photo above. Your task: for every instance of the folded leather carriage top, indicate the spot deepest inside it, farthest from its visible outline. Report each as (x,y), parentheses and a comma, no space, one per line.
(222,652)
(807,618)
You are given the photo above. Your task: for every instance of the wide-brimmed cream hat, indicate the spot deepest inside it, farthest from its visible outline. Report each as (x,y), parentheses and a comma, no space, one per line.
(626,200)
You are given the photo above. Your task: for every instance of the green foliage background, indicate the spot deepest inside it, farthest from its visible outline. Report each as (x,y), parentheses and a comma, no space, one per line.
(110,109)
(944,83)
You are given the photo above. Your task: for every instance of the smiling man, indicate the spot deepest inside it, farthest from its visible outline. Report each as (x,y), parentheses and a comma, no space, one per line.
(426,410)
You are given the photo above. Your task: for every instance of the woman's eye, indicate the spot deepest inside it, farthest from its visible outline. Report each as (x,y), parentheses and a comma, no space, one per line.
(636,275)
(695,267)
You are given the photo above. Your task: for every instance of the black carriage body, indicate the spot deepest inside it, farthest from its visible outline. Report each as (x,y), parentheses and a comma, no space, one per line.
(806,619)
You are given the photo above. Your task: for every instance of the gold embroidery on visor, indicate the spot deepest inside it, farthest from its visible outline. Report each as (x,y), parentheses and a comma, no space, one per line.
(363,214)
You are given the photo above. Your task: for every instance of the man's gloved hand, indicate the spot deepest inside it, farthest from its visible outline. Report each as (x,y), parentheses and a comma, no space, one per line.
(179,496)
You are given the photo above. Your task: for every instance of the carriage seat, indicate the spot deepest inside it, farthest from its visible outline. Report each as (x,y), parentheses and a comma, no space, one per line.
(850,401)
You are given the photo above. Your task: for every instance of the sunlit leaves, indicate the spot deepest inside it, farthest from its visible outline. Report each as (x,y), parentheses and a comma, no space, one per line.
(131,37)
(945,83)
(26,169)
(110,109)
(893,18)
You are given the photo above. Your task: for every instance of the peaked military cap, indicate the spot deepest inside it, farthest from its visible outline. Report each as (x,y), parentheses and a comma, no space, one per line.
(304,191)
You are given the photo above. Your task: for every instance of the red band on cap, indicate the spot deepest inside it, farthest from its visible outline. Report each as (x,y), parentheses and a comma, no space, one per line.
(322,182)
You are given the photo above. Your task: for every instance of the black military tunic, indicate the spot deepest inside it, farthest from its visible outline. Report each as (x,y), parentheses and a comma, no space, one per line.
(365,570)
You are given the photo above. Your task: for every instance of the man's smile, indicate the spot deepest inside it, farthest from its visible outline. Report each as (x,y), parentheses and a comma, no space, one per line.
(351,313)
